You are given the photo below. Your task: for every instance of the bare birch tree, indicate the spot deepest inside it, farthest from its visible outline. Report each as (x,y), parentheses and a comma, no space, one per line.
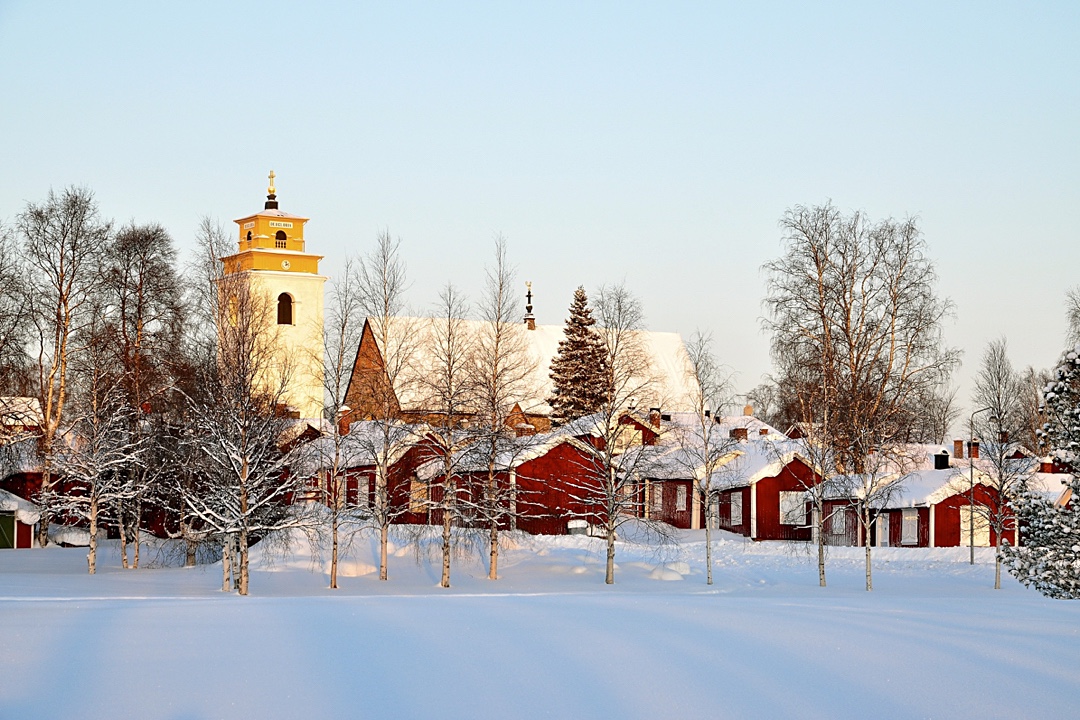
(143,327)
(1002,460)
(343,325)
(629,378)
(247,491)
(64,240)
(502,369)
(447,387)
(373,388)
(100,448)
(856,332)
(704,450)
(196,359)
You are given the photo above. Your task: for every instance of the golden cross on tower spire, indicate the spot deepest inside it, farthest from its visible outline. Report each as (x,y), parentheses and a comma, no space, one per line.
(271,188)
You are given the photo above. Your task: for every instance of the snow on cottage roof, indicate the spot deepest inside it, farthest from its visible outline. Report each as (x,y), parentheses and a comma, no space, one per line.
(759,456)
(665,349)
(1055,487)
(25,511)
(924,485)
(366,440)
(513,453)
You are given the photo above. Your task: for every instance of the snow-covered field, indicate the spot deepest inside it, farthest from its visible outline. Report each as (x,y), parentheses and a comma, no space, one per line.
(548,639)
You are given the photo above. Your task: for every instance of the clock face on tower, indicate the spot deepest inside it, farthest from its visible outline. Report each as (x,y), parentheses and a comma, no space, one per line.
(285,264)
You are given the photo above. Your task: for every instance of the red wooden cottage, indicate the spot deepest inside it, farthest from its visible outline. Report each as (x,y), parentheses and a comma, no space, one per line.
(362,442)
(670,465)
(549,483)
(946,501)
(769,502)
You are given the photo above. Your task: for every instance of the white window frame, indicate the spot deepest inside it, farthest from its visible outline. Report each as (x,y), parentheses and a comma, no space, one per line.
(735,510)
(681,497)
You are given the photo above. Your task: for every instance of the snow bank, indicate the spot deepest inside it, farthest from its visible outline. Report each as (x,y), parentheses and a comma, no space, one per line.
(548,639)
(64,535)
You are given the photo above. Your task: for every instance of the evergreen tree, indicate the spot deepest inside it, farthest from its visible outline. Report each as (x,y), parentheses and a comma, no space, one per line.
(1049,556)
(579,369)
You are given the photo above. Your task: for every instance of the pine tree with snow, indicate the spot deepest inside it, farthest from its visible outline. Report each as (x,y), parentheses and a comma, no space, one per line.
(1048,558)
(579,369)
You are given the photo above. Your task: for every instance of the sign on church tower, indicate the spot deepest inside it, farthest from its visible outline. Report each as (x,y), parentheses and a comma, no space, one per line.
(272,256)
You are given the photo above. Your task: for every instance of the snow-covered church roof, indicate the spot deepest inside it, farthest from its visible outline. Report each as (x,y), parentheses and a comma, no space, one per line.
(665,350)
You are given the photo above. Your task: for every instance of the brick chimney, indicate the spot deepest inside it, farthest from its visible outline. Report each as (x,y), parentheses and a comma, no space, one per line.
(958,449)
(654,417)
(739,434)
(344,419)
(973,449)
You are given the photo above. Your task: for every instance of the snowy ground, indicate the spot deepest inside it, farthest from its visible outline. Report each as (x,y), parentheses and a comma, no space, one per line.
(546,640)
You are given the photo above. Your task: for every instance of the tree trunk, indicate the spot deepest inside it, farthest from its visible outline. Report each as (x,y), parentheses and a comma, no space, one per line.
(226,565)
(493,508)
(243,561)
(189,556)
(445,581)
(818,523)
(866,544)
(91,557)
(869,577)
(384,533)
(708,550)
(609,576)
(122,522)
(136,534)
(493,570)
(997,565)
(46,486)
(333,551)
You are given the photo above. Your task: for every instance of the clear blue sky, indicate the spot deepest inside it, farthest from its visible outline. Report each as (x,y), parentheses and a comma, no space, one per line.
(656,143)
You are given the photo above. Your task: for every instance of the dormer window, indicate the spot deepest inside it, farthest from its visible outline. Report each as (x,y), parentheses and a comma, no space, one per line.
(279,240)
(284,309)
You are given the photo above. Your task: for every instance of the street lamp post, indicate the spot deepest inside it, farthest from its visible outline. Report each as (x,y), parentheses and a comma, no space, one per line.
(971,491)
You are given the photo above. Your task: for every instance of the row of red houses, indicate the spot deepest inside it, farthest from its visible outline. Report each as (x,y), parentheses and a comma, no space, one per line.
(552,484)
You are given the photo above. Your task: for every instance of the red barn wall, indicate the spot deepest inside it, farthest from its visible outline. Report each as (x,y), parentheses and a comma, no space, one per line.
(740,524)
(25,485)
(947,517)
(670,512)
(796,475)
(558,486)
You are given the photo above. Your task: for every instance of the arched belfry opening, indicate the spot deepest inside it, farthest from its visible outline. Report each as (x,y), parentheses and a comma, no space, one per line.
(280,239)
(249,238)
(284,309)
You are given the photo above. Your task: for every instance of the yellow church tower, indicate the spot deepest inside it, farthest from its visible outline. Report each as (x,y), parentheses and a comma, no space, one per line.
(273,256)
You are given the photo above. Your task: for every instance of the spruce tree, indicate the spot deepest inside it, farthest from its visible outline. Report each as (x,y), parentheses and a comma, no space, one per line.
(1048,558)
(579,369)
